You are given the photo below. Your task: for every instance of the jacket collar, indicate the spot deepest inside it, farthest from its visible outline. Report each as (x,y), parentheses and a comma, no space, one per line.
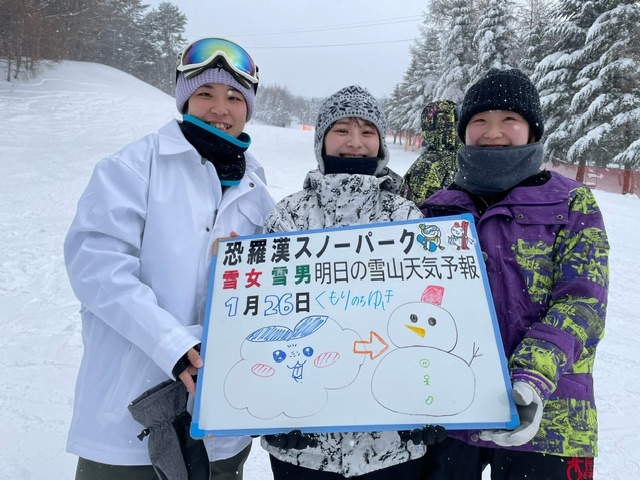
(528,192)
(172,142)
(388,180)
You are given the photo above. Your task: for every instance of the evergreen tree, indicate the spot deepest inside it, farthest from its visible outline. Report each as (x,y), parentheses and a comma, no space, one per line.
(274,106)
(457,52)
(120,34)
(418,81)
(422,76)
(395,113)
(160,42)
(556,74)
(606,106)
(495,39)
(535,44)
(305,110)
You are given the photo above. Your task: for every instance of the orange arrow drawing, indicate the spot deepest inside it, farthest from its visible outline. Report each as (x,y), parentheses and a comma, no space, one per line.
(376,342)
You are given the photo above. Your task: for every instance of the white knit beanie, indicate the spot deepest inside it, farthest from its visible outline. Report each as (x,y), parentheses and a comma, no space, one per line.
(186,86)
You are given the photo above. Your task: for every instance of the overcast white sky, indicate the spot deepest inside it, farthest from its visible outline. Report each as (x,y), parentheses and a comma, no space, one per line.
(315,47)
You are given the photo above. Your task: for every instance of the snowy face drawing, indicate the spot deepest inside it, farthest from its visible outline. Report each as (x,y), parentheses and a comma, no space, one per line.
(423,324)
(289,348)
(295,359)
(294,366)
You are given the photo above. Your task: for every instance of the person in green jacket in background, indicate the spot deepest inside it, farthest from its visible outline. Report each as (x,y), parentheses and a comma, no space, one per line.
(436,166)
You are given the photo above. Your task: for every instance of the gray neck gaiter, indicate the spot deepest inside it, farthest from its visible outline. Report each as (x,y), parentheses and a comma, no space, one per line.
(490,170)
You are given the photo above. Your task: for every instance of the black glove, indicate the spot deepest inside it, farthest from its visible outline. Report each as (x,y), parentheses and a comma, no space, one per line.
(427,435)
(162,410)
(295,439)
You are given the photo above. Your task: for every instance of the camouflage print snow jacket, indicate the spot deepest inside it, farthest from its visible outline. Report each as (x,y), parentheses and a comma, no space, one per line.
(437,165)
(429,173)
(342,199)
(329,201)
(547,263)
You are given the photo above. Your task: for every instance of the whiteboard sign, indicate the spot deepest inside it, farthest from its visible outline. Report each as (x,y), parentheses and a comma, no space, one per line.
(371,327)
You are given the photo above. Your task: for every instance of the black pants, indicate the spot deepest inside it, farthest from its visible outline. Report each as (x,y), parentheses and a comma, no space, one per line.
(227,469)
(456,460)
(287,471)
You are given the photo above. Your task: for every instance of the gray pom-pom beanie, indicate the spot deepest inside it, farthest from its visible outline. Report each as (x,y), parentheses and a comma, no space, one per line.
(352,101)
(186,86)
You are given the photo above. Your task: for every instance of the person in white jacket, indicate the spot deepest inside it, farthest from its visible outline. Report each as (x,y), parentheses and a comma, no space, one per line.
(352,185)
(138,255)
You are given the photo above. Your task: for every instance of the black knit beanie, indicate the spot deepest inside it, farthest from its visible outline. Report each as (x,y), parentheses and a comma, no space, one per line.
(503,90)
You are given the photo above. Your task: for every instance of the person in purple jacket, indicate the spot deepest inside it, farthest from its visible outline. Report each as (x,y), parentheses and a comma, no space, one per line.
(546,253)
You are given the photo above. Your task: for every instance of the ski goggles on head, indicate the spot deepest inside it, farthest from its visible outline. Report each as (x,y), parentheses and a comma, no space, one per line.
(211,52)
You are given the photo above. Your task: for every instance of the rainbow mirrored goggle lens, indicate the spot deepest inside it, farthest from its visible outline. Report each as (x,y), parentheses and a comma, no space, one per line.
(205,53)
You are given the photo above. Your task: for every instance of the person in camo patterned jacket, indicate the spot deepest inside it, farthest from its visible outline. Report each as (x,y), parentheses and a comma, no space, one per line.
(546,253)
(436,166)
(352,185)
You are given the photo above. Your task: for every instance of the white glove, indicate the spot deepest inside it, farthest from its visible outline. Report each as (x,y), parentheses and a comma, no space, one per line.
(529,405)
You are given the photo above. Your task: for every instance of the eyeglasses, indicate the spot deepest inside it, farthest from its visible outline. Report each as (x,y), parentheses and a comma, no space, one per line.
(209,52)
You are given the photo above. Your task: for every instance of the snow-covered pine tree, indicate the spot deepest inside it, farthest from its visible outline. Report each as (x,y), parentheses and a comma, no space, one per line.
(556,74)
(606,106)
(419,79)
(431,68)
(457,52)
(274,106)
(395,113)
(160,42)
(121,34)
(496,39)
(532,19)
(399,109)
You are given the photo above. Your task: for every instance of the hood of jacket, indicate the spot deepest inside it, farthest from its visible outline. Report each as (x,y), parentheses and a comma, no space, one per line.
(438,123)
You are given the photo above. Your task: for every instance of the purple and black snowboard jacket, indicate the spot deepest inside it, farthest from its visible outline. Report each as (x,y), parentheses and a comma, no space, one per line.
(547,264)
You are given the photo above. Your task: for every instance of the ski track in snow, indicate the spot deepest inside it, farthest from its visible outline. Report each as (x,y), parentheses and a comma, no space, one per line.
(55,128)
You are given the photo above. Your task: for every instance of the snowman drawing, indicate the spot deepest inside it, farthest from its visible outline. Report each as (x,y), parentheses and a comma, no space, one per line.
(430,378)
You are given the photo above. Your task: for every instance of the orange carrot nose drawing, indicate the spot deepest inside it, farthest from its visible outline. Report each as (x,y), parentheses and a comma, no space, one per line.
(417,330)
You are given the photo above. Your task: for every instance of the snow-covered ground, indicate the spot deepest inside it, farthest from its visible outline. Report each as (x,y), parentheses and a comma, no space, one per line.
(55,128)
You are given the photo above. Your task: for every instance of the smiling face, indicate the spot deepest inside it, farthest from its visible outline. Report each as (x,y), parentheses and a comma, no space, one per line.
(352,138)
(221,106)
(498,128)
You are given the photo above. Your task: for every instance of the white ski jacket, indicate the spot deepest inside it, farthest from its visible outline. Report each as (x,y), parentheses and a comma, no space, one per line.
(138,254)
(341,200)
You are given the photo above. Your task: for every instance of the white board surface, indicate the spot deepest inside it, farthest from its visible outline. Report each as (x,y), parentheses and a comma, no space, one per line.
(372,327)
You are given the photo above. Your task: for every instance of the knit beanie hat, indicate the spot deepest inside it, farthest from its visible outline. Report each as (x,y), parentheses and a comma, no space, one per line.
(503,90)
(186,86)
(352,101)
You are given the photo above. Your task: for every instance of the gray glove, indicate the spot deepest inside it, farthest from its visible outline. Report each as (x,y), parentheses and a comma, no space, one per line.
(162,410)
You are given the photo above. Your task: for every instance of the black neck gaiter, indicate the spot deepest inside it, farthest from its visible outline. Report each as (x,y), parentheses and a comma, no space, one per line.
(362,165)
(490,170)
(225,152)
